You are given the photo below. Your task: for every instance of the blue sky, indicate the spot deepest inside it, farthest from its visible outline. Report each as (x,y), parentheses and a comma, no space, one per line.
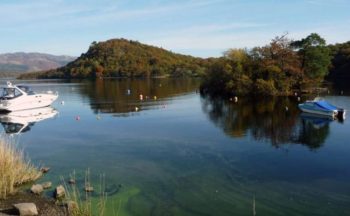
(196,27)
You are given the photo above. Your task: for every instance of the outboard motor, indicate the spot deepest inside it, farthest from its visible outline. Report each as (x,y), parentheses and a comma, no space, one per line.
(341,114)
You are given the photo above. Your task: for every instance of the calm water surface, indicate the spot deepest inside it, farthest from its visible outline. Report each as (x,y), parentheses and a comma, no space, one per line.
(186,154)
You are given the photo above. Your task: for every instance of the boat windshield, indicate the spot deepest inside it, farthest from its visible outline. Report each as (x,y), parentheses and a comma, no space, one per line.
(11,93)
(26,89)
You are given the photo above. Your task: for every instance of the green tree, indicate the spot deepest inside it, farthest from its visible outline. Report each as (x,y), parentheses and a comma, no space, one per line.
(238,58)
(315,56)
(340,70)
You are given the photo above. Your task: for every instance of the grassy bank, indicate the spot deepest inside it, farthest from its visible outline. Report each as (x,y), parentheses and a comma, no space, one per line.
(14,168)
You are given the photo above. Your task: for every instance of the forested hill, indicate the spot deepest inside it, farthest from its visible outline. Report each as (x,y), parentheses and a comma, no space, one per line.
(126,58)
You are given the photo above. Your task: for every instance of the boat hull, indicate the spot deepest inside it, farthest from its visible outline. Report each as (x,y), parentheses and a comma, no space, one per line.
(319,112)
(319,108)
(27,102)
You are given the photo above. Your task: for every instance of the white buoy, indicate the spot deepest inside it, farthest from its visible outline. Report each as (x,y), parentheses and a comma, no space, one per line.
(62,102)
(128,91)
(136,109)
(141,97)
(236,99)
(298,98)
(341,92)
(287,109)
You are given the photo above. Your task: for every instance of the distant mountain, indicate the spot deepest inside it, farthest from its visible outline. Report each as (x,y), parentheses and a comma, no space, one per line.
(21,62)
(126,58)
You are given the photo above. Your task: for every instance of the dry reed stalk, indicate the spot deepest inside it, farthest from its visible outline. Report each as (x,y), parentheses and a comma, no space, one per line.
(15,169)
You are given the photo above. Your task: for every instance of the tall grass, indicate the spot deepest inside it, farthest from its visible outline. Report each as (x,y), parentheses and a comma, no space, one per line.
(85,206)
(14,168)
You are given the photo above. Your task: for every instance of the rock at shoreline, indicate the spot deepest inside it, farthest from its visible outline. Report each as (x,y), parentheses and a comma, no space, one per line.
(46,206)
(45,169)
(37,189)
(89,188)
(27,209)
(46,185)
(60,192)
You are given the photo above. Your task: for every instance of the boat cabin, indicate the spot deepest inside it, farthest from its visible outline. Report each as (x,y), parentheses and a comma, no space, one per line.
(11,92)
(26,89)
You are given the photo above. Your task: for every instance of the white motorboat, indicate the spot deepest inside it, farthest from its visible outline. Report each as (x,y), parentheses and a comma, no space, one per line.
(21,97)
(21,121)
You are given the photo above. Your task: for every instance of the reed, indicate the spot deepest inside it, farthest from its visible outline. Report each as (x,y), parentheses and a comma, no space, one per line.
(15,169)
(83,200)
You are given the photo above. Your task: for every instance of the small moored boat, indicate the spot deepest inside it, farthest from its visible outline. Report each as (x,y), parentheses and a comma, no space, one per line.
(322,107)
(21,97)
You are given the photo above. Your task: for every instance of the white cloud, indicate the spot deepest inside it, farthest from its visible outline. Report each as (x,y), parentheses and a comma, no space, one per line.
(43,10)
(211,37)
(216,37)
(44,25)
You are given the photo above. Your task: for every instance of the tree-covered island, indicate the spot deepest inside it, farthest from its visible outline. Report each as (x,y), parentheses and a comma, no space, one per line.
(281,67)
(119,58)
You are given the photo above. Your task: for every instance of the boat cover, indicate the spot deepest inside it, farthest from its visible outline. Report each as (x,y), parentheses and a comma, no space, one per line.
(325,105)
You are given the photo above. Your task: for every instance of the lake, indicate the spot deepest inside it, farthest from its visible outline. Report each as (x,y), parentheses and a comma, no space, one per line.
(177,152)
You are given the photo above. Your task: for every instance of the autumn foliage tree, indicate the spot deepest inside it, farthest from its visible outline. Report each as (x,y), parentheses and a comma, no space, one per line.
(279,68)
(273,69)
(276,67)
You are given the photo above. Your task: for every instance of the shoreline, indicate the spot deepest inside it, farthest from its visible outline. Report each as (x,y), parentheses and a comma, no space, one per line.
(45,205)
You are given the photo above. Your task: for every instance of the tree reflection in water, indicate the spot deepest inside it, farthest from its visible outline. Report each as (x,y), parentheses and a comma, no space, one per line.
(112,96)
(276,120)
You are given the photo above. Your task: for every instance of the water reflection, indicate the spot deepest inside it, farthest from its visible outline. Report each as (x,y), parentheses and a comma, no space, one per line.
(313,130)
(122,97)
(22,121)
(275,120)
(173,161)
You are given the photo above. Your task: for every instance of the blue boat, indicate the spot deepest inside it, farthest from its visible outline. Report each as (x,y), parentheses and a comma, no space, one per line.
(322,107)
